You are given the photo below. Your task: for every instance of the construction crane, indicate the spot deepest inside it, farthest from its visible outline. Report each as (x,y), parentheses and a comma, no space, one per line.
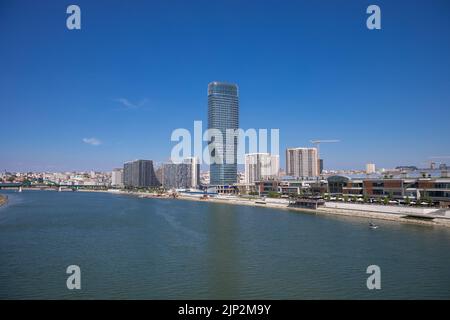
(317,143)
(439,157)
(430,164)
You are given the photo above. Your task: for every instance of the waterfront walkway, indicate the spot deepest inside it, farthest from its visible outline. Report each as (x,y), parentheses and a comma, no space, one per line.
(428,216)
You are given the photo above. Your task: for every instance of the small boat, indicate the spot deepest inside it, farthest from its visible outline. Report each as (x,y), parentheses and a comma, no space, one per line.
(372,226)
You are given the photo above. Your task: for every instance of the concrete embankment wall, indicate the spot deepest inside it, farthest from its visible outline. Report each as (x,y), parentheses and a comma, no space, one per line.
(340,209)
(277,201)
(379,208)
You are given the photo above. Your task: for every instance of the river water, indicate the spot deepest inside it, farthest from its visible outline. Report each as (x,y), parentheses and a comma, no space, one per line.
(131,248)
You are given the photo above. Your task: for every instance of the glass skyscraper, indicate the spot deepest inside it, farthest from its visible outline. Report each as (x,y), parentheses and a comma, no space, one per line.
(223,114)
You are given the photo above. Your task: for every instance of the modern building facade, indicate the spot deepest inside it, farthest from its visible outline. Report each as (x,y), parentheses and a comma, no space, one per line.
(158,173)
(117,177)
(223,114)
(195,171)
(436,190)
(139,174)
(302,162)
(176,175)
(285,188)
(261,166)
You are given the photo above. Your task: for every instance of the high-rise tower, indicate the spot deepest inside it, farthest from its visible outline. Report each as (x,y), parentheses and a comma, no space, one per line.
(223,114)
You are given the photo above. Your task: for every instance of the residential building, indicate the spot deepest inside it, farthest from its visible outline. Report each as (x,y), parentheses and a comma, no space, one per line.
(117,177)
(370,168)
(261,166)
(302,162)
(176,175)
(194,162)
(139,174)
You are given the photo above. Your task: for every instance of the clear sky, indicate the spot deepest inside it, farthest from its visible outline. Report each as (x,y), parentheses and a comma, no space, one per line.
(114,90)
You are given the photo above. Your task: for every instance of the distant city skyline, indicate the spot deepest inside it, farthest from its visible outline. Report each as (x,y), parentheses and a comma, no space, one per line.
(94,98)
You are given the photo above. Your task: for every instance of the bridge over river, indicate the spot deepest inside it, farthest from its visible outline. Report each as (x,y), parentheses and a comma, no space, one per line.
(48,185)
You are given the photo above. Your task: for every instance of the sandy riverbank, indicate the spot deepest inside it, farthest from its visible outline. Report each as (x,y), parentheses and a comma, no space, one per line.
(399,218)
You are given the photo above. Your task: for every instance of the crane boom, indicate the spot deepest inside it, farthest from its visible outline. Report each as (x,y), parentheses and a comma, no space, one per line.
(317,143)
(326,141)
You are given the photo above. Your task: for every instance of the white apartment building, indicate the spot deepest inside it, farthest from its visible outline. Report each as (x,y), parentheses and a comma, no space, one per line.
(117,177)
(302,162)
(370,168)
(261,166)
(195,170)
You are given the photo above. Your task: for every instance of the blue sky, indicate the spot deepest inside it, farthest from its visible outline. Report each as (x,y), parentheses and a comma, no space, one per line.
(138,70)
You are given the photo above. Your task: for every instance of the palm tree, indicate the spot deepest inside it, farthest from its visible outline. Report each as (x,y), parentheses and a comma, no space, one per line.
(365,198)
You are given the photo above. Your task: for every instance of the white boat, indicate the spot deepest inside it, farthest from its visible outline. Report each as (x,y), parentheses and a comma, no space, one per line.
(372,226)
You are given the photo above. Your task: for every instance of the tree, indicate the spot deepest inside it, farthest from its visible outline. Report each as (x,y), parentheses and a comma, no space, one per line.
(390,195)
(426,198)
(273,194)
(365,198)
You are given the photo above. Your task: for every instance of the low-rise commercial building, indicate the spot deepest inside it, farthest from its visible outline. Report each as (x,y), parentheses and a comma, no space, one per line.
(434,190)
(290,187)
(267,186)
